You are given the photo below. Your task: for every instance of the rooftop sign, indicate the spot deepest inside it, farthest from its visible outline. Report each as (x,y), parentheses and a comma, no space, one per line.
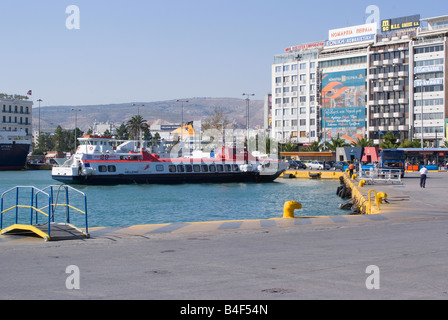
(400,23)
(350,35)
(308,46)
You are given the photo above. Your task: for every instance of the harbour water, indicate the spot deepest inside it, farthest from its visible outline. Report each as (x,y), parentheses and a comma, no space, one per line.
(127,205)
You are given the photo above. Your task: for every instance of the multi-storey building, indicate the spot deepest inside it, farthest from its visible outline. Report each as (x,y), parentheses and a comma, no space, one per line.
(361,84)
(388,87)
(16,114)
(295,95)
(429,55)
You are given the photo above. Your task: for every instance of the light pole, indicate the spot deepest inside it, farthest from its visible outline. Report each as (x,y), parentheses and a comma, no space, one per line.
(76,126)
(182,122)
(40,100)
(247,115)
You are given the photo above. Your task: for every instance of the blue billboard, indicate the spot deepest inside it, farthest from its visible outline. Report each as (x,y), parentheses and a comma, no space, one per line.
(352,117)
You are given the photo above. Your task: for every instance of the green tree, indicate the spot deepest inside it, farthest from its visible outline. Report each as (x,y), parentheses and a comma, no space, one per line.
(335,143)
(315,146)
(61,140)
(410,144)
(389,141)
(44,144)
(289,147)
(122,132)
(136,126)
(364,142)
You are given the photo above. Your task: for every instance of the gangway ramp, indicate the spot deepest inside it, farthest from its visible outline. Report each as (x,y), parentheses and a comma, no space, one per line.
(23,207)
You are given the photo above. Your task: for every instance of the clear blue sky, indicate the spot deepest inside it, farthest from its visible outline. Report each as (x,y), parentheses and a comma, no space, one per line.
(143,51)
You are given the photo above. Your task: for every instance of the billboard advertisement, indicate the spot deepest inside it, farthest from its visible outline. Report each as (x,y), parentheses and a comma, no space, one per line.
(344,88)
(344,117)
(343,103)
(400,23)
(357,34)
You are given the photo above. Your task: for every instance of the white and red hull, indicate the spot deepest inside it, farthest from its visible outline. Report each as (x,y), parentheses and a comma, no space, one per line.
(108,168)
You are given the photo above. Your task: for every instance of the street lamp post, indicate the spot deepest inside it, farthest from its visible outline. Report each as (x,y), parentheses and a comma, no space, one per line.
(182,122)
(247,114)
(76,126)
(40,100)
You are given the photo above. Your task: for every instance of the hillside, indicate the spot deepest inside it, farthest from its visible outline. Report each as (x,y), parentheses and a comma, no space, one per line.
(161,112)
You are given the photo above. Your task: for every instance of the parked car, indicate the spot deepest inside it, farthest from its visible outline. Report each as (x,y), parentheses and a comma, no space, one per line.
(339,165)
(293,164)
(318,165)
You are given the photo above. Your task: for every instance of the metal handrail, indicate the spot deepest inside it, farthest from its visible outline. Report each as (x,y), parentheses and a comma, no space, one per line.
(48,192)
(32,206)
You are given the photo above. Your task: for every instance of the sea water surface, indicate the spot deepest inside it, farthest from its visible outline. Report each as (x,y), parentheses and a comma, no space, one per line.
(127,205)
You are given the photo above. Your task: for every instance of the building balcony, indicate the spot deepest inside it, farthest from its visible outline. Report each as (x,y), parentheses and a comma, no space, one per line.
(378,89)
(403,73)
(378,115)
(398,88)
(372,76)
(374,128)
(403,100)
(392,128)
(392,74)
(392,101)
(377,63)
(387,62)
(397,61)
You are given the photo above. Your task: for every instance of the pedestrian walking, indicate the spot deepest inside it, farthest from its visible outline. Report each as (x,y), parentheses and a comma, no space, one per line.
(351,167)
(423,174)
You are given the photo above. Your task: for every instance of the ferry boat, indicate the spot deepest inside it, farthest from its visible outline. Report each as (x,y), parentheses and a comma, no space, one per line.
(13,150)
(98,162)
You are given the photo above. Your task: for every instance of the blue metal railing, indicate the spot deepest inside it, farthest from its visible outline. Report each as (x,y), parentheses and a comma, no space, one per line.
(50,200)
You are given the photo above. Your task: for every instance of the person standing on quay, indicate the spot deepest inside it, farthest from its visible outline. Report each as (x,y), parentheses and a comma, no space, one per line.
(423,173)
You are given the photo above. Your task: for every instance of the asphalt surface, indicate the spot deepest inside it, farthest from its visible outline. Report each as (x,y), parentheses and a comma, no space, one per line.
(399,254)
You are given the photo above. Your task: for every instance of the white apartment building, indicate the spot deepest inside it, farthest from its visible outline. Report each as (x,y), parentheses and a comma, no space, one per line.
(429,55)
(16,114)
(295,97)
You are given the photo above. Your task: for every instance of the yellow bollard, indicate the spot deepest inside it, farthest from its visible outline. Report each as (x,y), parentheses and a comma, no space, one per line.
(354,176)
(379,198)
(362,183)
(289,207)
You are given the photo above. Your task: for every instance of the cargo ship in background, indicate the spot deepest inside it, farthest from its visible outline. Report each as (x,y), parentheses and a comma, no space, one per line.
(14,149)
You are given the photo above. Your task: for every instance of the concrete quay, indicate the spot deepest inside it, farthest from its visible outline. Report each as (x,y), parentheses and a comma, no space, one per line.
(277,259)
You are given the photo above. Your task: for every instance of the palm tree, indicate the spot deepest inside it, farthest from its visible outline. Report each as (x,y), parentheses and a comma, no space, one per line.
(289,147)
(136,125)
(335,143)
(364,142)
(315,146)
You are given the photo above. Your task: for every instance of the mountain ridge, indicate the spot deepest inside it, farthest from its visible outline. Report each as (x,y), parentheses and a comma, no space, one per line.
(157,112)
